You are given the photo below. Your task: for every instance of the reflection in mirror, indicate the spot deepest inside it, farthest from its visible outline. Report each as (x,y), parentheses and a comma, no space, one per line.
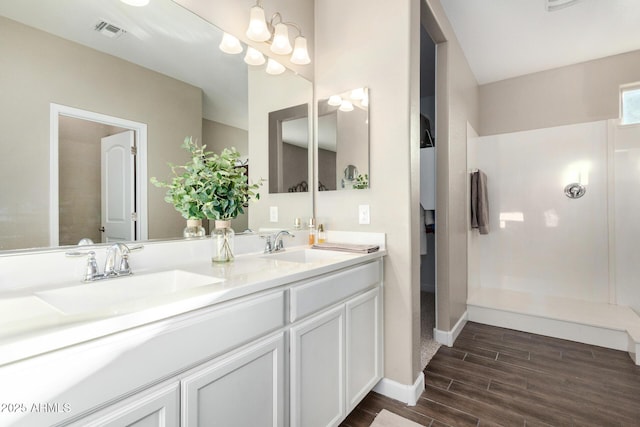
(289,150)
(343,141)
(157,65)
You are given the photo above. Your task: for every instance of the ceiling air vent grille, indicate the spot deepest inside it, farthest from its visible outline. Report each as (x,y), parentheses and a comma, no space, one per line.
(109,30)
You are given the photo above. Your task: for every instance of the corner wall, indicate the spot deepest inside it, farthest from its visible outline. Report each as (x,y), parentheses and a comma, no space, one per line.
(382,57)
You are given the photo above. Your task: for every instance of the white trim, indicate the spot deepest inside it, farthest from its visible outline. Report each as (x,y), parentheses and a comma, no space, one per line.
(140,129)
(408,394)
(449,337)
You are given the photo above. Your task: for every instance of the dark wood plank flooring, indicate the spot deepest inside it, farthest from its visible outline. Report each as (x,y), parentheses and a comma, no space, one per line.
(494,376)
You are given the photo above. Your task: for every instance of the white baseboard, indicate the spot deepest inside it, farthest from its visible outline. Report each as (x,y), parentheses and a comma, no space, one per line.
(449,337)
(408,394)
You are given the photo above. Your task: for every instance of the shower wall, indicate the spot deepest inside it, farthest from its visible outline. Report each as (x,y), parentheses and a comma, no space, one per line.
(540,241)
(626,189)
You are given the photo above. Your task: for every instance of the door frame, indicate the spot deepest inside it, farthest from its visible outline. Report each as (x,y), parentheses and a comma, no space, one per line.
(141,179)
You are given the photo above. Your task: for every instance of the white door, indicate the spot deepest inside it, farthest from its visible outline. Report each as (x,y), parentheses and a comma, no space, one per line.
(117,174)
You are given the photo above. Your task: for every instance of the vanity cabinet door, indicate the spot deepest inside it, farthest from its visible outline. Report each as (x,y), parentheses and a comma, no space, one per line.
(156,407)
(317,370)
(242,389)
(363,345)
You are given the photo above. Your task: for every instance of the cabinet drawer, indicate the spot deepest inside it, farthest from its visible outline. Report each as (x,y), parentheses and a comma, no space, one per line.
(318,294)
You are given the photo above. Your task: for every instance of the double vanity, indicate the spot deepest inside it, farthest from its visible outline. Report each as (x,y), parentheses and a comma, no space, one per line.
(292,338)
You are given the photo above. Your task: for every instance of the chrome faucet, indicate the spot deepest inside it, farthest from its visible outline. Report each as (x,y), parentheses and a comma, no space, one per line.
(117,250)
(116,263)
(275,245)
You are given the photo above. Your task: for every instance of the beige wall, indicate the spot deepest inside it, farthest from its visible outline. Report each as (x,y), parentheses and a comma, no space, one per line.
(266,94)
(45,69)
(578,93)
(380,57)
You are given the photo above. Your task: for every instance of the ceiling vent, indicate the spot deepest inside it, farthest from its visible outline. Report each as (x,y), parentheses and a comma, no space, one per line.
(553,5)
(109,30)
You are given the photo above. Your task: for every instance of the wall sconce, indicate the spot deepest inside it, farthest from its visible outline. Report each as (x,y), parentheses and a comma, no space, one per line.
(276,32)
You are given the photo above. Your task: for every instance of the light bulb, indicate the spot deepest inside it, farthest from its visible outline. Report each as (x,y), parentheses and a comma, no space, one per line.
(334,100)
(300,54)
(346,106)
(281,44)
(274,67)
(258,30)
(230,44)
(254,57)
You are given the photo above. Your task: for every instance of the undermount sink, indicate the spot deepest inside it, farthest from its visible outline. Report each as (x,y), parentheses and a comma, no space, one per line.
(305,255)
(110,293)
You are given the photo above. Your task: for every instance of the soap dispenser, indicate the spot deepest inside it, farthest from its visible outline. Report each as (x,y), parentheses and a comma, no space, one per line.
(312,231)
(321,234)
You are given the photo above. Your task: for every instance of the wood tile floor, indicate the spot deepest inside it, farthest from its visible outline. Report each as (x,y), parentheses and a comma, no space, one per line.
(494,376)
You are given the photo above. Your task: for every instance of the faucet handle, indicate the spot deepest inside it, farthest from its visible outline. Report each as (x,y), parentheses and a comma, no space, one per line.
(268,245)
(91,267)
(124,269)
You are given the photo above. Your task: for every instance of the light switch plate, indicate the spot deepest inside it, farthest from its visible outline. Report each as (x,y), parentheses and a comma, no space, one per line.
(273,213)
(364,214)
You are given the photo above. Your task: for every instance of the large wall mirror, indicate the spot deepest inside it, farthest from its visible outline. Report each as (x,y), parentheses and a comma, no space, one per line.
(343,141)
(76,72)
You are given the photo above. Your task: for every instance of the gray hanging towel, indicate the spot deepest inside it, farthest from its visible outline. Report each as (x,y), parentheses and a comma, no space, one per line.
(479,202)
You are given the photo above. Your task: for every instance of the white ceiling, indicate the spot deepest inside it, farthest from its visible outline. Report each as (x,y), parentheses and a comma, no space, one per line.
(509,38)
(162,36)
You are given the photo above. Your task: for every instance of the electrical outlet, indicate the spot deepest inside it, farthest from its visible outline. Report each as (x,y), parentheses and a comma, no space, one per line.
(273,213)
(364,214)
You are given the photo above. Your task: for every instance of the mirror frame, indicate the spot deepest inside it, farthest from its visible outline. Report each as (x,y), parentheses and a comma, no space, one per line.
(276,167)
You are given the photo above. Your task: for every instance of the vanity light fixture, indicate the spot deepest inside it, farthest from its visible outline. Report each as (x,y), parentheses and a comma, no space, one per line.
(346,106)
(274,67)
(334,100)
(276,32)
(230,44)
(254,57)
(136,3)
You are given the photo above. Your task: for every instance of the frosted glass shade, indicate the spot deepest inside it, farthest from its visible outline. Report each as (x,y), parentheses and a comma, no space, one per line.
(230,44)
(258,30)
(254,57)
(281,44)
(334,100)
(346,106)
(300,54)
(274,67)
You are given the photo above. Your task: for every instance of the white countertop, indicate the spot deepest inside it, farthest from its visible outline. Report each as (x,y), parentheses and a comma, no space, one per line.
(30,326)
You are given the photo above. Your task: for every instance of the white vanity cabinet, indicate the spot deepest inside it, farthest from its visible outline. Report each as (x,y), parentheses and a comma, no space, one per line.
(336,353)
(243,389)
(158,406)
(301,353)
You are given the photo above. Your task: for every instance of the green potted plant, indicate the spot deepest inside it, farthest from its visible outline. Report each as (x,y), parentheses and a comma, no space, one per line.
(210,186)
